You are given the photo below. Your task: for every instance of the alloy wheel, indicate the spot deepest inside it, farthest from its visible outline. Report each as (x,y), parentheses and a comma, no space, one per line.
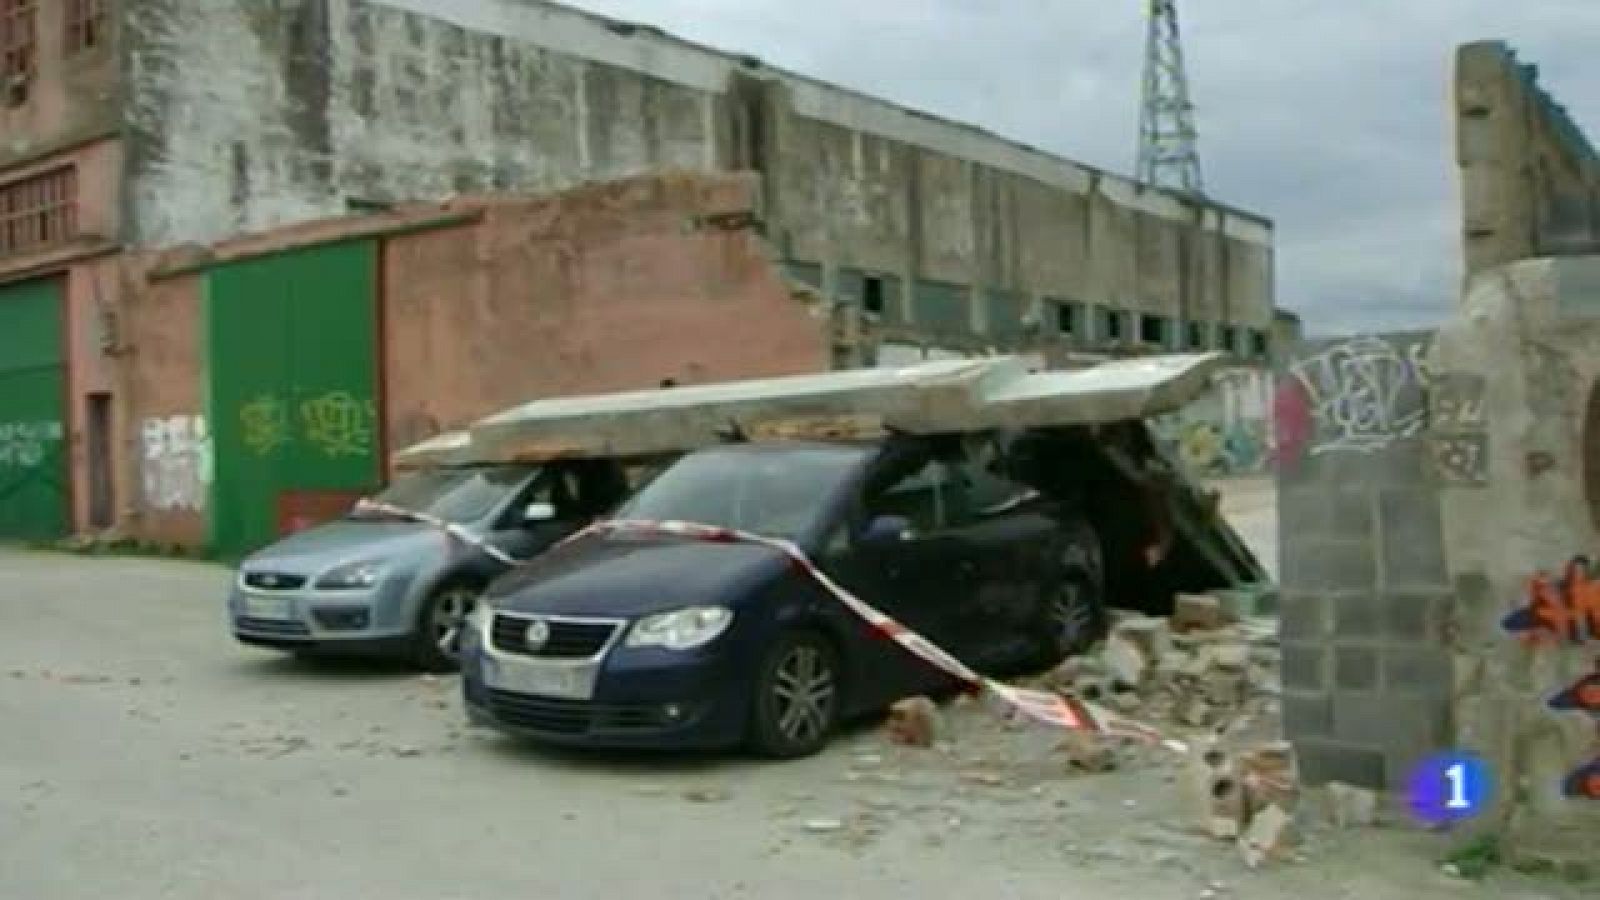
(1071,617)
(450,609)
(803,693)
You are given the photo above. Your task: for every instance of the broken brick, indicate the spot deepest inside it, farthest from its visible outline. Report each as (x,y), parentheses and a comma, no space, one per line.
(1087,751)
(915,722)
(1266,838)
(1197,612)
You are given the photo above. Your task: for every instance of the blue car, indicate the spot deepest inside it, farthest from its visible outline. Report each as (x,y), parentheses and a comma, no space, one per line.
(660,640)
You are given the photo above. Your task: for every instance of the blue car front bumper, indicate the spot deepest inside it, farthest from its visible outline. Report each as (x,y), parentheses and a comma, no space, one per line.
(638,697)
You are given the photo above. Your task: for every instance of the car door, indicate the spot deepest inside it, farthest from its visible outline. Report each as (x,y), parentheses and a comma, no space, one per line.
(1009,534)
(924,580)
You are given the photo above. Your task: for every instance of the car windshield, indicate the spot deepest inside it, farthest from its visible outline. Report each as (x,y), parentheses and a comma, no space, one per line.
(773,492)
(459,495)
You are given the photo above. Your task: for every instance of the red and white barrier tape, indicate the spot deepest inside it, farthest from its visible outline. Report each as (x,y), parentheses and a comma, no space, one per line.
(1070,713)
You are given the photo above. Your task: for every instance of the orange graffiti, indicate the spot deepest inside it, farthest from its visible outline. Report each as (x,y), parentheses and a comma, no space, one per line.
(1567,610)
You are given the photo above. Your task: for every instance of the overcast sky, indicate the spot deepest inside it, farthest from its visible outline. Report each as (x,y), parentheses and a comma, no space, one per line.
(1329,116)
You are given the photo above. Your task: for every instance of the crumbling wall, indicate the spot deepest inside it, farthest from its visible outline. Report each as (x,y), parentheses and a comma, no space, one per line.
(604,288)
(1530,180)
(1365,589)
(1516,410)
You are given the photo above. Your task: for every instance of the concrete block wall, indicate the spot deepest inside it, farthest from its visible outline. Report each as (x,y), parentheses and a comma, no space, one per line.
(1365,584)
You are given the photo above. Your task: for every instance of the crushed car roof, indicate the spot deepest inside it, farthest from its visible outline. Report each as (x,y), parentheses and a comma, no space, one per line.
(936,397)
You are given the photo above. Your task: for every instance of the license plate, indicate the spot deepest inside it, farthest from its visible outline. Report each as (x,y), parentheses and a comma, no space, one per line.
(259,607)
(542,681)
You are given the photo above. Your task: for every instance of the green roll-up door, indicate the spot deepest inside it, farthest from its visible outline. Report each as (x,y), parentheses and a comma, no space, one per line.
(33,462)
(292,374)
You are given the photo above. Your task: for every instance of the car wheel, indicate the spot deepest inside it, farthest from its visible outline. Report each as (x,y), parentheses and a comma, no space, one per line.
(437,638)
(797,696)
(1075,617)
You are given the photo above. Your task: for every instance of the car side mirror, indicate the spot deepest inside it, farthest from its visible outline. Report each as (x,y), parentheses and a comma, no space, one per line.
(886,530)
(538,511)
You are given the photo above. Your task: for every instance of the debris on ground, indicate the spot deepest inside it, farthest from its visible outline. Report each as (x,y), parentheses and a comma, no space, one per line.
(1350,806)
(915,722)
(1197,670)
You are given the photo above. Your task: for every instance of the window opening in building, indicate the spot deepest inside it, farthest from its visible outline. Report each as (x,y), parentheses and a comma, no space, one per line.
(1067,318)
(1258,343)
(1197,336)
(1113,325)
(872,294)
(19,50)
(40,211)
(86,25)
(1230,339)
(1153,330)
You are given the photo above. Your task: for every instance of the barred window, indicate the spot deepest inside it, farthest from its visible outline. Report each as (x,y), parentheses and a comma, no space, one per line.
(39,211)
(86,24)
(19,50)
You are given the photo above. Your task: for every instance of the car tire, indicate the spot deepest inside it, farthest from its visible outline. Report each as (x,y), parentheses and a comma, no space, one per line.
(798,693)
(436,636)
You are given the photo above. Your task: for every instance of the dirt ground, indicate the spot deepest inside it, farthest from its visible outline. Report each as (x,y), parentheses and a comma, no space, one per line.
(145,755)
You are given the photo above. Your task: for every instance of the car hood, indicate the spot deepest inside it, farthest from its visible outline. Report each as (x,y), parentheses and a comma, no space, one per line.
(633,575)
(345,540)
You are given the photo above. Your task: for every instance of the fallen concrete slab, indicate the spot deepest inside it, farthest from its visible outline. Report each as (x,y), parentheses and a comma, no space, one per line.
(937,397)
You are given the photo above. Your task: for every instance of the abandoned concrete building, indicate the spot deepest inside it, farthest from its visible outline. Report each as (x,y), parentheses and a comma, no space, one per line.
(919,235)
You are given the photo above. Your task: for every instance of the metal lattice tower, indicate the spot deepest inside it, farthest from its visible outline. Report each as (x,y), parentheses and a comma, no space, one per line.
(1167,153)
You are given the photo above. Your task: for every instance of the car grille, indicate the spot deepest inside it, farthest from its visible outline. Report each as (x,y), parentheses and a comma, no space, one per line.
(569,716)
(568,639)
(274,581)
(272,626)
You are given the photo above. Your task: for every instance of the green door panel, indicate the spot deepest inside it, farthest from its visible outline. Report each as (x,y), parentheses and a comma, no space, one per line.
(292,378)
(34,496)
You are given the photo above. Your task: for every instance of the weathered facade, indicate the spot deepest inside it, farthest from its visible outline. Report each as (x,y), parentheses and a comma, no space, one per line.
(314,109)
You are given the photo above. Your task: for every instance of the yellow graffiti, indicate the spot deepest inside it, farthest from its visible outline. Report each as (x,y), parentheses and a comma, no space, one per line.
(338,423)
(265,424)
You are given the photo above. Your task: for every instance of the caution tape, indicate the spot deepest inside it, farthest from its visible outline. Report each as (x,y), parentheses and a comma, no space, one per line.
(1063,711)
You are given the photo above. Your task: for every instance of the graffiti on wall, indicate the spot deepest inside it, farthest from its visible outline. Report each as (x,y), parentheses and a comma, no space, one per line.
(25,445)
(176,464)
(335,423)
(1227,430)
(1361,395)
(1458,426)
(1566,611)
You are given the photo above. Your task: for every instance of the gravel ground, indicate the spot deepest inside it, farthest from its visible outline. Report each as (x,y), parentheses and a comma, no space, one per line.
(144,755)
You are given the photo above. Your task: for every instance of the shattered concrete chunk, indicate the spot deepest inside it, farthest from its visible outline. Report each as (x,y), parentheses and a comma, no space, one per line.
(1125,660)
(1350,806)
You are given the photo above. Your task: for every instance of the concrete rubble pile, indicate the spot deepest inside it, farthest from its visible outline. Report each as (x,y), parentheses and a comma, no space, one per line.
(1199,669)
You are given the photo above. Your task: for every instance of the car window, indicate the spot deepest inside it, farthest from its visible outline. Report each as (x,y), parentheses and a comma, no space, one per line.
(458,495)
(920,497)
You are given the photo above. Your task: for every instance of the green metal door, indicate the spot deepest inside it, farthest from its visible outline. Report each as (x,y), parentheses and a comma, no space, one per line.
(292,373)
(33,461)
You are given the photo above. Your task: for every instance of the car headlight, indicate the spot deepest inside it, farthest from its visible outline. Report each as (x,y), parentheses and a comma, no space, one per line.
(681,629)
(353,575)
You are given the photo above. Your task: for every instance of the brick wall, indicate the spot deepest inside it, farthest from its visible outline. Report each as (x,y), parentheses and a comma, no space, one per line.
(1365,585)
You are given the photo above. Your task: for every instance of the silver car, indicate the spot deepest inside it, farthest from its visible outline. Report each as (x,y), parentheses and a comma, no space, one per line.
(378,583)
